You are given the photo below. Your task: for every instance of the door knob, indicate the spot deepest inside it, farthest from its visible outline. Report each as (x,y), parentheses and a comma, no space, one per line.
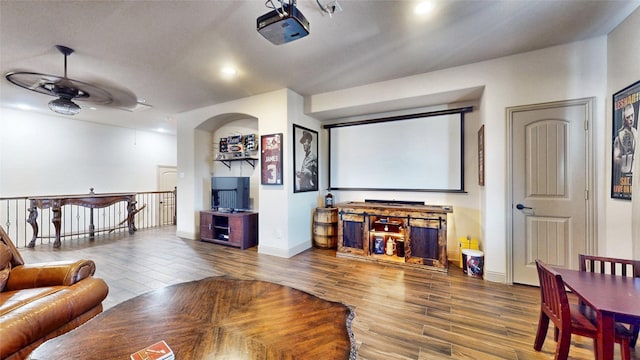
(522,207)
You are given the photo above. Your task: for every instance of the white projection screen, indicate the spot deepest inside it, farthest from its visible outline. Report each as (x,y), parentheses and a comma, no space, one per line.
(420,152)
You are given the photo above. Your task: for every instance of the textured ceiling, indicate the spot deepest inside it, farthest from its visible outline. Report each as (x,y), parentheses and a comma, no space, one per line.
(170,52)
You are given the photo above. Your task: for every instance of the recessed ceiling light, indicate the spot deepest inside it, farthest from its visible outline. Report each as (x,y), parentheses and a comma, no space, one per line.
(424,7)
(228,71)
(142,100)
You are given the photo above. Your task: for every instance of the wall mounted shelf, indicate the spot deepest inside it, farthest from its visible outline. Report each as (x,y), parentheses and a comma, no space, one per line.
(227,162)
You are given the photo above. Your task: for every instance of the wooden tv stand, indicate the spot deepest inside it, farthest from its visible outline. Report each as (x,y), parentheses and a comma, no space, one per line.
(234,229)
(397,234)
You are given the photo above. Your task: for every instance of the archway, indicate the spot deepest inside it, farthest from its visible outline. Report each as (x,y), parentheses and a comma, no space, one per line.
(223,126)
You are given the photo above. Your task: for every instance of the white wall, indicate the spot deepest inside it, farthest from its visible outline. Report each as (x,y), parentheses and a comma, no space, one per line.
(45,155)
(572,71)
(301,205)
(284,217)
(622,71)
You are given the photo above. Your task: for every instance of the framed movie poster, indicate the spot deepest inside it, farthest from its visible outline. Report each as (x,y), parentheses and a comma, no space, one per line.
(305,159)
(625,135)
(271,159)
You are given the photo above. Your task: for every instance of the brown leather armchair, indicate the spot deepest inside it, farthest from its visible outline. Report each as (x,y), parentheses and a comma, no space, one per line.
(41,301)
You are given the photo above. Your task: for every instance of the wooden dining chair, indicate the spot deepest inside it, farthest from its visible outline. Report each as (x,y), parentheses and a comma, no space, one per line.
(608,265)
(567,318)
(614,266)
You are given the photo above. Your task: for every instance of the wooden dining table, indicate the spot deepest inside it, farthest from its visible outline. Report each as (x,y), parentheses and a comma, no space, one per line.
(614,298)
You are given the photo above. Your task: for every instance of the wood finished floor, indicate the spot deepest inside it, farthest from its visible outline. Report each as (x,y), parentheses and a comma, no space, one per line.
(214,318)
(400,313)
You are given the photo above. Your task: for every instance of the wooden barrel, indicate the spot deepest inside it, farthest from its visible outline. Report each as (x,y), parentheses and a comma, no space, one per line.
(325,228)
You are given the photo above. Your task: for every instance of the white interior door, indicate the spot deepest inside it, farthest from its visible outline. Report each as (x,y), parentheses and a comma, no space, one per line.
(550,186)
(167,180)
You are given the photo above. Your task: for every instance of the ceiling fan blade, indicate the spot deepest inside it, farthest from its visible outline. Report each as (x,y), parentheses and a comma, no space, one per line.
(32,81)
(105,94)
(84,91)
(37,84)
(121,97)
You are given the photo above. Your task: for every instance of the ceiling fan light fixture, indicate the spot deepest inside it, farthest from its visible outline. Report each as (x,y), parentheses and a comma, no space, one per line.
(64,106)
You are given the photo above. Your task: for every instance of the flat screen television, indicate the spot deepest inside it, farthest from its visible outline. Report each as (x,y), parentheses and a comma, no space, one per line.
(229,193)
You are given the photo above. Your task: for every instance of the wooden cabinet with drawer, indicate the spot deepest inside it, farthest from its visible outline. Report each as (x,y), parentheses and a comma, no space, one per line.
(394,233)
(233,229)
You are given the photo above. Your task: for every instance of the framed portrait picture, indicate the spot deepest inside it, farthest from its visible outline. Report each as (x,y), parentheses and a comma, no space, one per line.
(481,156)
(625,134)
(305,159)
(271,159)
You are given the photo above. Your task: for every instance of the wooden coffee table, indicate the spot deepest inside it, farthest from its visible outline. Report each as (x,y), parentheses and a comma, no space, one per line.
(215,317)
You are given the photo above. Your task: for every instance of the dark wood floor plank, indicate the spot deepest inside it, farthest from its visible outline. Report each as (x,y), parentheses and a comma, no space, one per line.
(399,313)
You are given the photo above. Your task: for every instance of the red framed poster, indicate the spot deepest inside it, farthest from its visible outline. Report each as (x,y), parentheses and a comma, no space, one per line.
(271,160)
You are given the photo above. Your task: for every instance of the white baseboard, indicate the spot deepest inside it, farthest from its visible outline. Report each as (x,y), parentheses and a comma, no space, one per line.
(495,276)
(285,253)
(186,235)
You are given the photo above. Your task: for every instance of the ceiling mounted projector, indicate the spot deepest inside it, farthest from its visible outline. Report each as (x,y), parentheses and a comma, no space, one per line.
(283,25)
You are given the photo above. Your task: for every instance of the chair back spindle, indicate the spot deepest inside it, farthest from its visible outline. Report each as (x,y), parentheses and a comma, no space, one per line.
(608,265)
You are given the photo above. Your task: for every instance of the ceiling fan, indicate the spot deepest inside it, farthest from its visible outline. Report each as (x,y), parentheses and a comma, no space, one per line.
(69,90)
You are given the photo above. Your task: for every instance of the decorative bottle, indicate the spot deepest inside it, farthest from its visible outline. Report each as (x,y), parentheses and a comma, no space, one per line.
(328,200)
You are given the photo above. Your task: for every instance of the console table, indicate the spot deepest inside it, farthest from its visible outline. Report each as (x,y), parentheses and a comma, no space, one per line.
(394,233)
(90,200)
